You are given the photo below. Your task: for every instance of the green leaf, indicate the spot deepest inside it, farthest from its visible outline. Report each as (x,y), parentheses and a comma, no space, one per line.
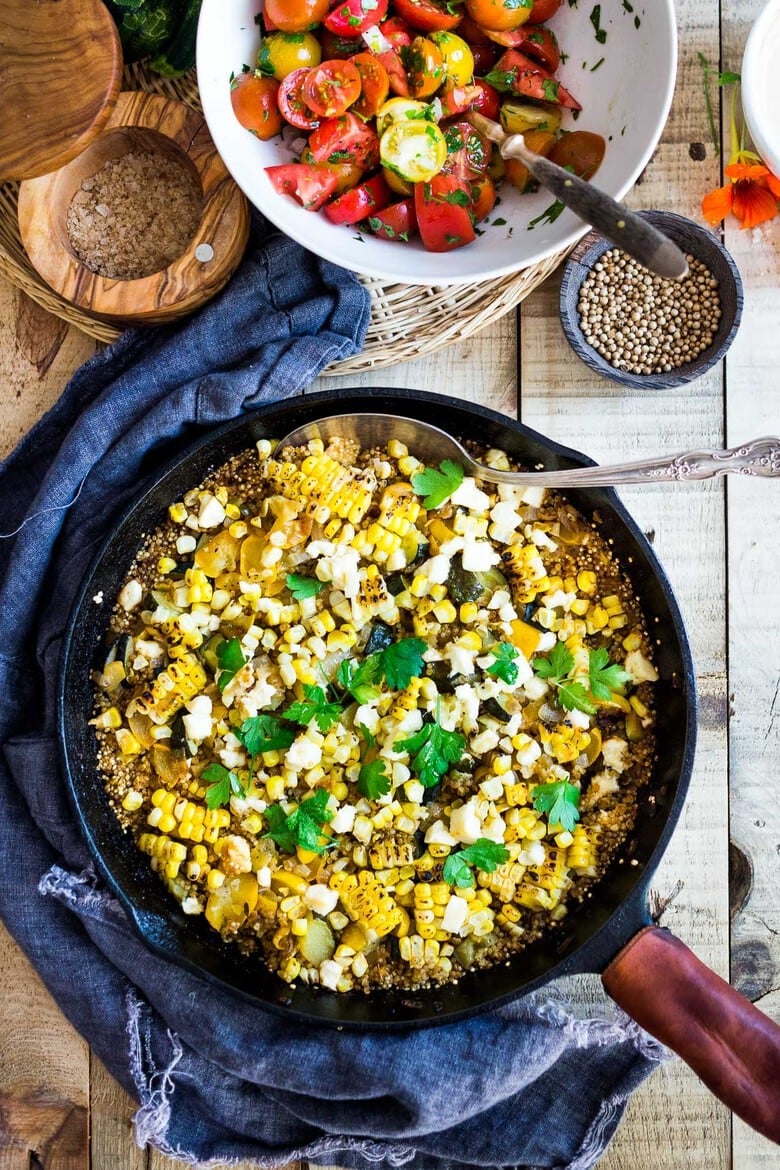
(360,679)
(558,664)
(505,667)
(314,706)
(264,733)
(224,784)
(574,697)
(484,854)
(560,801)
(230,659)
(368,736)
(432,750)
(303,826)
(402,661)
(605,678)
(729,78)
(373,780)
(437,485)
(303,587)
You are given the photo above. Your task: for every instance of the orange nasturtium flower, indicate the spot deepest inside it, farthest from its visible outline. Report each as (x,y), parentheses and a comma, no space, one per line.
(752,191)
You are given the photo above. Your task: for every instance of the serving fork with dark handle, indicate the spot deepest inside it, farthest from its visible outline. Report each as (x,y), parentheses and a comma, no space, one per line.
(629,231)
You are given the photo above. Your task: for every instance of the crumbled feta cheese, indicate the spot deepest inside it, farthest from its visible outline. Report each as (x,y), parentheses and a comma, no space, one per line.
(341,569)
(492,788)
(534,853)
(533,496)
(468,495)
(639,667)
(321,899)
(614,752)
(546,641)
(303,754)
(198,721)
(436,569)
(460,659)
(535,688)
(479,556)
(468,705)
(211,513)
(437,834)
(263,876)
(130,596)
(344,819)
(465,824)
(493,826)
(455,914)
(559,600)
(578,719)
(541,539)
(505,521)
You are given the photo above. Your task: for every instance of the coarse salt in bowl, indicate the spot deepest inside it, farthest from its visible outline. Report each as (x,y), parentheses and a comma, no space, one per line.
(760,69)
(621,67)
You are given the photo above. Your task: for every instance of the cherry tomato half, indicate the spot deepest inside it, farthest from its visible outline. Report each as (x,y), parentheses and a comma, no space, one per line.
(528,78)
(425,67)
(488,102)
(543,10)
(397,32)
(443,207)
(456,99)
(535,40)
(540,142)
(294,15)
(396,74)
(292,103)
(360,202)
(282,53)
(374,84)
(458,57)
(347,173)
(333,45)
(254,103)
(345,139)
(350,18)
(468,153)
(483,197)
(499,14)
(310,185)
(330,88)
(427,15)
(581,150)
(396,222)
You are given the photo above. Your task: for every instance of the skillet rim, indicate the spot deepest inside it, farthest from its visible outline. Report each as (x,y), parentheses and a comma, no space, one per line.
(401,1011)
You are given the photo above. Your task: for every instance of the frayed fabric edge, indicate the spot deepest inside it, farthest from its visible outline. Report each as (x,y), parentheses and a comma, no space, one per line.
(155,1087)
(78,890)
(594,1032)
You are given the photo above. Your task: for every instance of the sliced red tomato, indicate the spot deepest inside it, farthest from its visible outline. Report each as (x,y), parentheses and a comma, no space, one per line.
(396,74)
(488,101)
(397,32)
(443,207)
(350,18)
(294,15)
(347,174)
(543,10)
(468,153)
(483,196)
(427,15)
(456,99)
(254,103)
(485,57)
(312,186)
(374,84)
(345,139)
(524,76)
(359,203)
(339,47)
(292,102)
(396,222)
(330,89)
(535,40)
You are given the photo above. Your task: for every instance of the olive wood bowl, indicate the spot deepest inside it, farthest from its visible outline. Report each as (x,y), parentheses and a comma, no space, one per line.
(140,121)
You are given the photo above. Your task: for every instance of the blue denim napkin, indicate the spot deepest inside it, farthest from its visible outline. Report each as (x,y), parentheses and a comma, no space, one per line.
(536,1084)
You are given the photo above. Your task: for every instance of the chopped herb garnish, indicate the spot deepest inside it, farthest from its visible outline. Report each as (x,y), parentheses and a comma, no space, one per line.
(314,706)
(605,678)
(433,751)
(230,659)
(484,854)
(560,801)
(224,784)
(264,733)
(549,215)
(437,485)
(505,665)
(373,780)
(360,679)
(303,827)
(303,587)
(595,20)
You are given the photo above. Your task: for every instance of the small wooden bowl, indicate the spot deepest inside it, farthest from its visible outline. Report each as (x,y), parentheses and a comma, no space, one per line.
(140,121)
(695,241)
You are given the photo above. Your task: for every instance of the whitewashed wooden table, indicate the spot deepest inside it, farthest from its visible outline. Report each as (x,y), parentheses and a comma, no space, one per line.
(59,1110)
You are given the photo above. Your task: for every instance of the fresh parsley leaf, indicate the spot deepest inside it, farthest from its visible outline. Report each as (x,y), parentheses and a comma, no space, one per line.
(264,733)
(483,854)
(605,677)
(303,826)
(314,706)
(360,679)
(402,661)
(558,664)
(437,485)
(560,800)
(433,750)
(224,784)
(574,697)
(505,666)
(303,587)
(368,736)
(550,214)
(729,78)
(230,659)
(373,780)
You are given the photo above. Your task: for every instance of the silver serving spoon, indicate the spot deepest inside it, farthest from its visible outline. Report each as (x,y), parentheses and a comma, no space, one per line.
(759,457)
(625,228)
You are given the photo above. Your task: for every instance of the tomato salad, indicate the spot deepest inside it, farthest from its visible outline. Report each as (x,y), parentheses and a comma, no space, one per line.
(380,91)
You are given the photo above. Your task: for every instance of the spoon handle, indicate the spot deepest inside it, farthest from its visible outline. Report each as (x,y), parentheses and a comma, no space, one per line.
(757,458)
(625,228)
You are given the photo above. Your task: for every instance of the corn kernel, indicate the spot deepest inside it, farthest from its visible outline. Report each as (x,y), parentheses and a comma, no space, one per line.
(215,879)
(132,801)
(177,513)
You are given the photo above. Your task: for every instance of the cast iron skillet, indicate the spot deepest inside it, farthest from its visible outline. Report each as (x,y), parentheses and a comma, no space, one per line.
(654,976)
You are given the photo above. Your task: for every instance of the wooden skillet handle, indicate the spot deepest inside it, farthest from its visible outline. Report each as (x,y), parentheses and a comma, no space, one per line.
(732,1046)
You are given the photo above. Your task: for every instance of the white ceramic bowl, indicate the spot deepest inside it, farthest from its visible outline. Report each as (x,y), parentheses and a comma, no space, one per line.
(626,99)
(760,68)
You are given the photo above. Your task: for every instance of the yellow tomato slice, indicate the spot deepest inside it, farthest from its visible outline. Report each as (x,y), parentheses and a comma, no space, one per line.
(414,149)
